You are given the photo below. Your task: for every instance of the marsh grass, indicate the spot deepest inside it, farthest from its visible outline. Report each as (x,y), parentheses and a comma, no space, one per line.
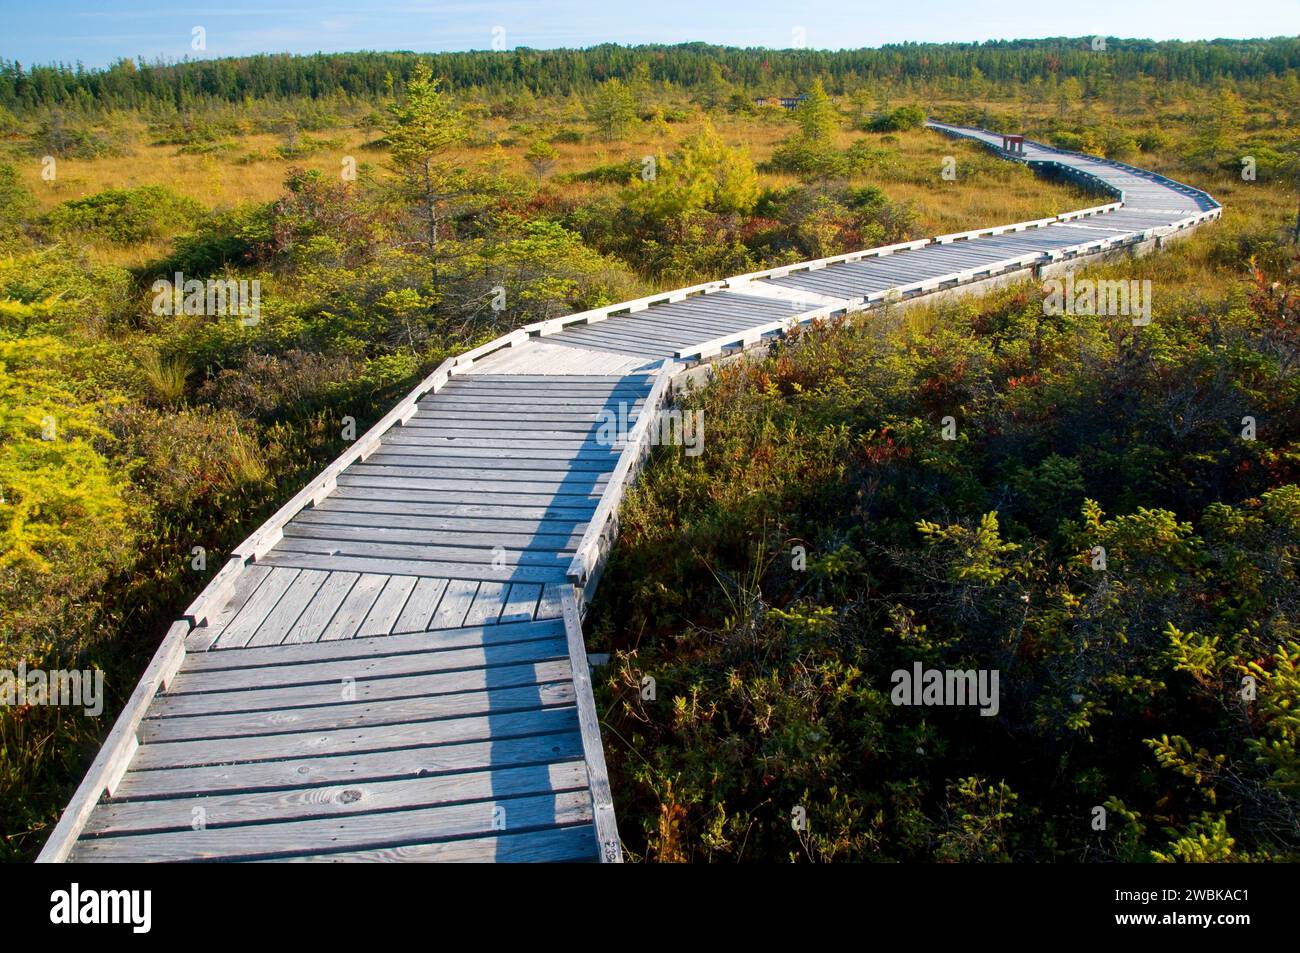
(164,377)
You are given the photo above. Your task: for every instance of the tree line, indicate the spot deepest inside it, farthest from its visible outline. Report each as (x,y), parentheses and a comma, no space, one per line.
(134,83)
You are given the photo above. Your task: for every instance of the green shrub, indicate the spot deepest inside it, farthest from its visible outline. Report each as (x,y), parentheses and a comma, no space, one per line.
(828,537)
(616,173)
(64,139)
(125,216)
(17,205)
(898,120)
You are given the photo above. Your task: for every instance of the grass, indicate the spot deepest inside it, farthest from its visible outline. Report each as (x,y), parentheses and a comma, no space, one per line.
(164,377)
(220,180)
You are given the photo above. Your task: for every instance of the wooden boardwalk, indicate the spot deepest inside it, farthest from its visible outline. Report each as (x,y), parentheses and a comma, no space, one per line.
(393,667)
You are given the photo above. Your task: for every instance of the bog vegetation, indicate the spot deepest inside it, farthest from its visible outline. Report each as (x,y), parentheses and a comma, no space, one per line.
(381,199)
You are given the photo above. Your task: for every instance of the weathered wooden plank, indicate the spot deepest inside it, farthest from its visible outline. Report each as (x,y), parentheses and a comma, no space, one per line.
(523,383)
(487,605)
(480,539)
(320,610)
(725,306)
(420,607)
(499,456)
(528,407)
(290,607)
(556,389)
(255,611)
(693,328)
(343,671)
(503,447)
(578,487)
(577,339)
(553,419)
(623,339)
(201,638)
(365,831)
(455,604)
(840,284)
(430,525)
(533,395)
(554,845)
(535,417)
(550,605)
(383,614)
(415,641)
(378,503)
(357,714)
(564,478)
(367,797)
(451,423)
(521,603)
(299,744)
(543,357)
(276,699)
(692,323)
(515,381)
(657,332)
(471,555)
(532,403)
(484,572)
(347,619)
(388,490)
(456,438)
(377,766)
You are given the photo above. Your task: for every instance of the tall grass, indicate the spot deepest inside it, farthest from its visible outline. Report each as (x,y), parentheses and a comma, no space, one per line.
(164,377)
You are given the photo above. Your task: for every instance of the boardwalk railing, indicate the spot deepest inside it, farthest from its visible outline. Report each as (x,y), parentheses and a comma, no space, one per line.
(593,549)
(115,754)
(555,325)
(602,799)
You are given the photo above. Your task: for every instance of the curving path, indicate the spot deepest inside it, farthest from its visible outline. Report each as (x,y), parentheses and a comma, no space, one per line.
(392,667)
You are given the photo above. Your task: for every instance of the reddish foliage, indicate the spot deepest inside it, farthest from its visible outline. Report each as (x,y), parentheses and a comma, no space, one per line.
(878,448)
(1024,380)
(1276,299)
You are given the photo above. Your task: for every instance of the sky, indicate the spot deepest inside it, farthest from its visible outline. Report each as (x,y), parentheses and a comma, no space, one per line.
(97,32)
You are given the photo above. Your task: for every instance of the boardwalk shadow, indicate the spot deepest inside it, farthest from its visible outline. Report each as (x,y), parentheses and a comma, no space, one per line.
(535,794)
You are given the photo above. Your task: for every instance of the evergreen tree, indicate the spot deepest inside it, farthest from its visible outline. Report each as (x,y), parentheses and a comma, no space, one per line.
(426,128)
(817,118)
(541,155)
(812,148)
(612,110)
(703,175)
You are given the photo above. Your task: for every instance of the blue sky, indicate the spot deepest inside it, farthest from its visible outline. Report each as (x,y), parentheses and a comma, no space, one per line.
(96,32)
